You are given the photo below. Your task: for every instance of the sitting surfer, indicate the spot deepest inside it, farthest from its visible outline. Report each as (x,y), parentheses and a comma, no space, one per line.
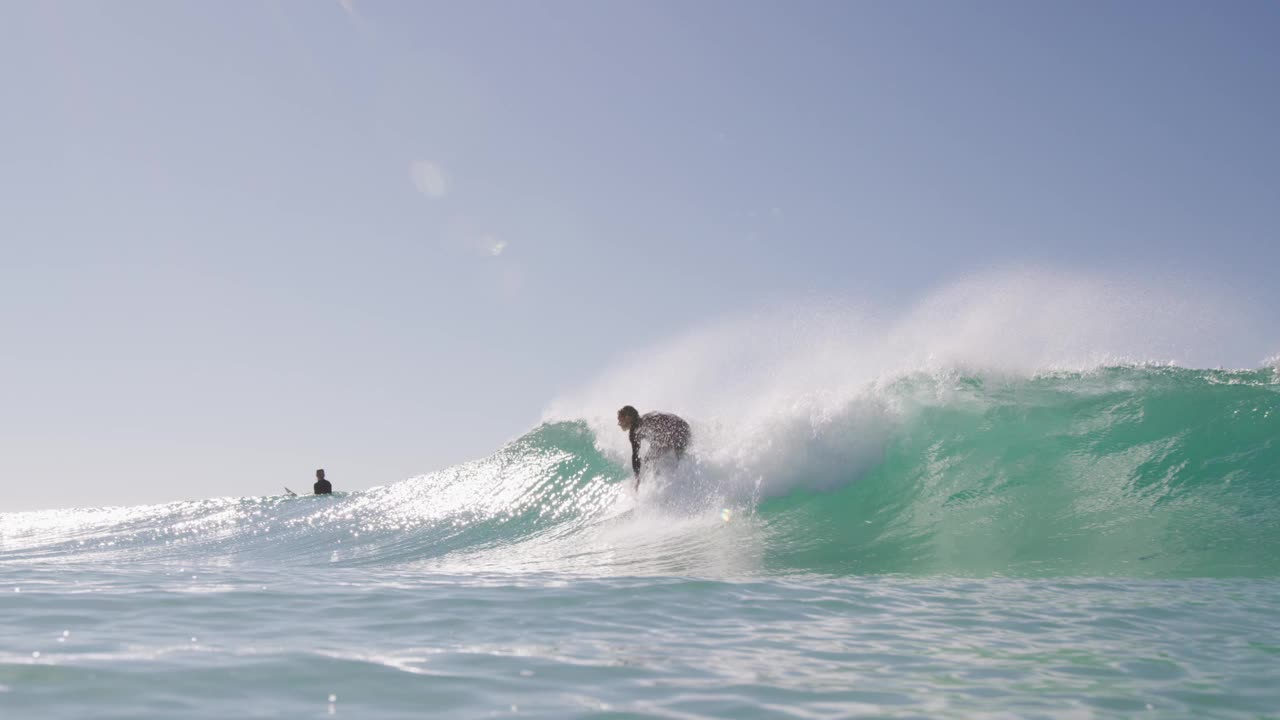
(665,432)
(323,487)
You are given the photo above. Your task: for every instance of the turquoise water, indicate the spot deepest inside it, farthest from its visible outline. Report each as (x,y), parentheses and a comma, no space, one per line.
(1098,544)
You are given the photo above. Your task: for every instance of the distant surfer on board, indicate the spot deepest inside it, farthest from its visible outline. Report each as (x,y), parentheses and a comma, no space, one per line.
(665,432)
(322,486)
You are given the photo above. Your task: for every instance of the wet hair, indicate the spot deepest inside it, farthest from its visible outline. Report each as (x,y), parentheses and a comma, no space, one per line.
(629,412)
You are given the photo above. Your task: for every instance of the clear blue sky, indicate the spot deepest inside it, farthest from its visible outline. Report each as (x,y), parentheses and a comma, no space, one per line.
(241,240)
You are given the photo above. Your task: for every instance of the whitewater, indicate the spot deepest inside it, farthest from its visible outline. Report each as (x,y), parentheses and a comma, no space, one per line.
(1031,494)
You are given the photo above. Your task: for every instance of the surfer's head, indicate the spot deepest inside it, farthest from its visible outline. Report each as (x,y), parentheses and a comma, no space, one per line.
(628,417)
(320,474)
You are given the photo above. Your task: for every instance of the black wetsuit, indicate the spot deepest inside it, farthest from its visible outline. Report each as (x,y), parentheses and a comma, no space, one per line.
(663,431)
(323,487)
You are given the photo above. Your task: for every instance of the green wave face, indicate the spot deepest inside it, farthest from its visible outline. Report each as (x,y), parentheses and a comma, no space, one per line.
(1130,471)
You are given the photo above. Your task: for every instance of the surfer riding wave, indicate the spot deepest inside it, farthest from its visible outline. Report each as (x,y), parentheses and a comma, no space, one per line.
(666,434)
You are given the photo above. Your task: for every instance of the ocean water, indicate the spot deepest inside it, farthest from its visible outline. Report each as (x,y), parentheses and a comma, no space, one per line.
(934,544)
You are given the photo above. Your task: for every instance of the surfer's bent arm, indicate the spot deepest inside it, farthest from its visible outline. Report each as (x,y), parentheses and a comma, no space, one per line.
(635,454)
